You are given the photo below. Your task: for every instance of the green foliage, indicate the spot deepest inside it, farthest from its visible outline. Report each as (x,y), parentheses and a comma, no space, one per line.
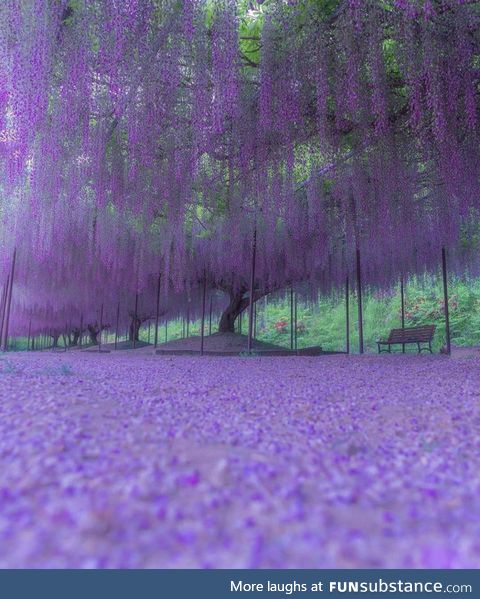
(323,323)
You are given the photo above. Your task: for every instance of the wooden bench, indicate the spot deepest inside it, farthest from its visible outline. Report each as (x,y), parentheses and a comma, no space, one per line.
(418,335)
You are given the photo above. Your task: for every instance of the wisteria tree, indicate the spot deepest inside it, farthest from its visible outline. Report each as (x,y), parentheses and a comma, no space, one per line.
(157,137)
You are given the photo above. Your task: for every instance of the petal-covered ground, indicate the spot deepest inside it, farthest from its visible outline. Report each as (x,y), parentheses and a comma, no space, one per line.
(140,461)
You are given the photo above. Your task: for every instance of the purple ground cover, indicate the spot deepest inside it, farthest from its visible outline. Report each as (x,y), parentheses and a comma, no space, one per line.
(140,461)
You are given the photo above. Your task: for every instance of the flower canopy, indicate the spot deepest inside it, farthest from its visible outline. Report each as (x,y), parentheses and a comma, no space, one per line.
(141,138)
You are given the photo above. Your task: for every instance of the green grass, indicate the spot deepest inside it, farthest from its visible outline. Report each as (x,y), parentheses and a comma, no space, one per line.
(323,322)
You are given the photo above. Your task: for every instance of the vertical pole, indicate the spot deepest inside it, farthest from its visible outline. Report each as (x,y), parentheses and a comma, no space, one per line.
(445,300)
(80,337)
(188,319)
(295,323)
(347,314)
(148,336)
(291,317)
(203,312)
(402,298)
(9,301)
(360,307)
(100,332)
(252,293)
(255,320)
(134,328)
(210,316)
(4,308)
(116,325)
(157,312)
(29,334)
(240,322)
(166,330)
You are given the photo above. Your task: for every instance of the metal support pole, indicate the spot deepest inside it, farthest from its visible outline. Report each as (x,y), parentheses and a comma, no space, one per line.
(360,307)
(100,332)
(80,337)
(295,321)
(134,328)
(347,314)
(203,313)
(252,293)
(116,325)
(9,302)
(445,300)
(4,308)
(157,312)
(29,334)
(210,316)
(291,317)
(402,297)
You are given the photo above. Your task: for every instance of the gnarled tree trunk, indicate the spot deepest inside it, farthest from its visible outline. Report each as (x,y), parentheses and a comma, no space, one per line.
(236,305)
(73,337)
(134,329)
(93,330)
(136,322)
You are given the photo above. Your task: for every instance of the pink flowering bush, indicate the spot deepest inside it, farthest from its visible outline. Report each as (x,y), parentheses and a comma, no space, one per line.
(281,326)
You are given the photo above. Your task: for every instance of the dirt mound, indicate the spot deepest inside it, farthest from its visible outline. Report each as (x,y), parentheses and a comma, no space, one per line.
(218,342)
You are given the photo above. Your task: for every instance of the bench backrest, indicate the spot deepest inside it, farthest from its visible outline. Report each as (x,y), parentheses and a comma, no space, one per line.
(412,334)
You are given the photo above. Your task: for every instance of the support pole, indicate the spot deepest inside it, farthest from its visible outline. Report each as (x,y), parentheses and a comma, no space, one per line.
(116,325)
(80,337)
(9,302)
(360,307)
(295,321)
(100,332)
(445,300)
(157,312)
(166,330)
(4,308)
(347,314)
(210,316)
(203,313)
(291,317)
(252,293)
(29,334)
(402,297)
(135,322)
